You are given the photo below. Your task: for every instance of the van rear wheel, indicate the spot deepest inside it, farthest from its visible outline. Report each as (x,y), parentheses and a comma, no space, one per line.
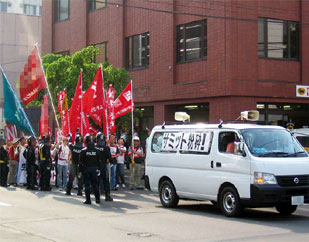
(168,195)
(229,202)
(286,209)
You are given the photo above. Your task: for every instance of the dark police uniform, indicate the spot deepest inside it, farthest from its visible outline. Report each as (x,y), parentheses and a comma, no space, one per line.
(45,164)
(4,170)
(105,156)
(30,165)
(74,166)
(90,165)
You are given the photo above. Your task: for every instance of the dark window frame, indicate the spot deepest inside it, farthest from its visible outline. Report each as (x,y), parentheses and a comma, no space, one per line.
(56,11)
(127,42)
(63,53)
(203,51)
(91,2)
(106,54)
(286,27)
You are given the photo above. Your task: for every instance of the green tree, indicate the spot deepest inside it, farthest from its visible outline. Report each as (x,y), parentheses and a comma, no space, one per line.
(63,72)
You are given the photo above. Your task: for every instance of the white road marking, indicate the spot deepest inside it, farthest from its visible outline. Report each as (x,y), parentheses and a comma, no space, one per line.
(5,204)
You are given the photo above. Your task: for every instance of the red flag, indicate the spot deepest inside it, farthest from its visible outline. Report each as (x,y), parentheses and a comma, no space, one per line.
(124,103)
(63,110)
(110,97)
(93,130)
(32,79)
(94,101)
(44,117)
(78,119)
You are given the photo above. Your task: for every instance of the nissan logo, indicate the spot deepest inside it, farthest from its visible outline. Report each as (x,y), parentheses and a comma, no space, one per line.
(296,180)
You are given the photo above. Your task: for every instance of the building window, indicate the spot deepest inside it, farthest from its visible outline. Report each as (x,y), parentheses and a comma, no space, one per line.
(3,7)
(40,11)
(64,53)
(278,39)
(30,9)
(102,55)
(96,4)
(61,10)
(192,41)
(137,51)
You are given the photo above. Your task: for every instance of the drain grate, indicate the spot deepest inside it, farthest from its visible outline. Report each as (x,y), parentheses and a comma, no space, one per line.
(142,234)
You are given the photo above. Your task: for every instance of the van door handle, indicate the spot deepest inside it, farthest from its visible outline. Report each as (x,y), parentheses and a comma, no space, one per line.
(218,164)
(212,164)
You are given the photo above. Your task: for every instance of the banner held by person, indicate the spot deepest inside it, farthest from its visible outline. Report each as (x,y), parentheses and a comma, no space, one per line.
(44,117)
(94,101)
(124,103)
(10,132)
(33,79)
(110,97)
(63,110)
(77,117)
(13,110)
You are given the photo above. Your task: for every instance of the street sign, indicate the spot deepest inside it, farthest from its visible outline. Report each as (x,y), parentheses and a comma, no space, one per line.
(302,91)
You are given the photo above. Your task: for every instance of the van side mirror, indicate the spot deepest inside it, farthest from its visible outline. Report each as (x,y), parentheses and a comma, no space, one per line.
(239,148)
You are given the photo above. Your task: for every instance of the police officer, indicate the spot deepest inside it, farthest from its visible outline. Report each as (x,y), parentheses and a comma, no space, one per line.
(45,163)
(105,158)
(90,165)
(4,159)
(74,171)
(30,163)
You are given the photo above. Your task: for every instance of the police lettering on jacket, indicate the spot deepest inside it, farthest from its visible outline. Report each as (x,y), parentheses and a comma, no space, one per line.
(76,154)
(90,157)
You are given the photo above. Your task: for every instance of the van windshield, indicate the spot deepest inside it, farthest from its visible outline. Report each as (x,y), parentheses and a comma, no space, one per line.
(272,143)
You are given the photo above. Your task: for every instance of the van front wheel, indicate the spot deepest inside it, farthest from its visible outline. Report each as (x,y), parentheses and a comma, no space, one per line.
(286,209)
(229,202)
(168,195)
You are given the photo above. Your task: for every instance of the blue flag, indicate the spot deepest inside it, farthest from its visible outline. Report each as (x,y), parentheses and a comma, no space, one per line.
(13,111)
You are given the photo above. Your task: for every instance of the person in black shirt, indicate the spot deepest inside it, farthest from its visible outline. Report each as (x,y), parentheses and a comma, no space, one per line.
(30,163)
(105,158)
(45,164)
(4,159)
(90,165)
(74,171)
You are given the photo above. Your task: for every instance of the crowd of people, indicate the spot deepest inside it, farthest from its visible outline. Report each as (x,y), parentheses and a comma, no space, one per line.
(94,163)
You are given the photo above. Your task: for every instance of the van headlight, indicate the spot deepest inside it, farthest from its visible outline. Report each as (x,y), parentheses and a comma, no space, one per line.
(264,178)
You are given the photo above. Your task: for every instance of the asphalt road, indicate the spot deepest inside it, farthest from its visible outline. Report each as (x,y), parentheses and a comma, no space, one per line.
(136,216)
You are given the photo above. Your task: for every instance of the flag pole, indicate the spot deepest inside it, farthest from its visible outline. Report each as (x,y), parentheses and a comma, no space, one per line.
(132,115)
(36,46)
(106,117)
(81,101)
(2,110)
(66,96)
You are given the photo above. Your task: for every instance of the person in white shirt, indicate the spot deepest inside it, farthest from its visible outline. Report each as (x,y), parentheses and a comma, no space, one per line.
(120,162)
(63,163)
(21,174)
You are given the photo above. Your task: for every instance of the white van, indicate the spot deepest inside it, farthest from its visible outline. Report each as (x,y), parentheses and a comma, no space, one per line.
(232,165)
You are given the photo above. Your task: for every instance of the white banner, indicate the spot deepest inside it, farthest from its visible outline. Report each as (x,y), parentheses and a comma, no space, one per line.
(187,141)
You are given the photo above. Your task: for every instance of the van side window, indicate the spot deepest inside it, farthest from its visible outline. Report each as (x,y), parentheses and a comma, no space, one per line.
(156,143)
(226,142)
